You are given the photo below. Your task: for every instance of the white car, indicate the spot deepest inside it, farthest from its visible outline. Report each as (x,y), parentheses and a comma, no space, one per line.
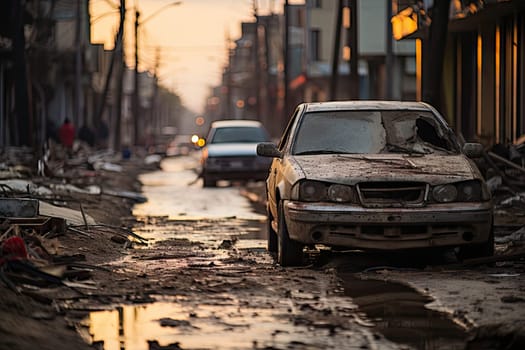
(230,152)
(375,175)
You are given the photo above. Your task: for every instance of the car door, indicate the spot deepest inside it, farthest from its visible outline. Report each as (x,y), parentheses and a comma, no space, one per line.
(277,164)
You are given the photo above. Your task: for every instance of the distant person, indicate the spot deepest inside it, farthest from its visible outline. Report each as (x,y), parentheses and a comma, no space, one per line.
(86,134)
(66,133)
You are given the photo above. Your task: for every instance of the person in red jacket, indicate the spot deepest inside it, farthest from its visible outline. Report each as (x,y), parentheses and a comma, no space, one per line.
(66,133)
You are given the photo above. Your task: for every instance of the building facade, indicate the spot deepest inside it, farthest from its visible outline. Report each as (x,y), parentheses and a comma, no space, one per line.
(368,37)
(484,81)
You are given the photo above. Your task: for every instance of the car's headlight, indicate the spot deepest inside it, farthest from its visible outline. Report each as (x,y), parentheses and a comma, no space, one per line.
(473,191)
(466,191)
(316,191)
(445,193)
(341,193)
(312,191)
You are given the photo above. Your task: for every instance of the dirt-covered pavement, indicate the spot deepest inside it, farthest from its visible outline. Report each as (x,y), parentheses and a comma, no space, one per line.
(487,300)
(198,282)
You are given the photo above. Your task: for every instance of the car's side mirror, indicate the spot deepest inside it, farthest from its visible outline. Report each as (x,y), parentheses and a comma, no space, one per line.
(268,149)
(473,150)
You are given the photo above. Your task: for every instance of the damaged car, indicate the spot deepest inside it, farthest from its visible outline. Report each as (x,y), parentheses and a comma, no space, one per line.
(230,152)
(375,175)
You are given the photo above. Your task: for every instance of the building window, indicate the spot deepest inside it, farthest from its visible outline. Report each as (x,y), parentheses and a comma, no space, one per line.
(315,45)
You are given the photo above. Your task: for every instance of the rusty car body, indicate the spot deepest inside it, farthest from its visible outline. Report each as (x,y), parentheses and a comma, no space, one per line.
(383,175)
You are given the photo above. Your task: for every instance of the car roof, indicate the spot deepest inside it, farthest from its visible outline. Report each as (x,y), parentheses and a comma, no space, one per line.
(235,123)
(366,105)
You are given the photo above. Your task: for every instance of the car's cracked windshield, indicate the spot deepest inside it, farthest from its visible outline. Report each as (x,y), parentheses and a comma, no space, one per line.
(372,132)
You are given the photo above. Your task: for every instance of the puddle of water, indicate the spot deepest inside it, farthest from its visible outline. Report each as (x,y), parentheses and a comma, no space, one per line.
(218,325)
(176,192)
(245,232)
(399,313)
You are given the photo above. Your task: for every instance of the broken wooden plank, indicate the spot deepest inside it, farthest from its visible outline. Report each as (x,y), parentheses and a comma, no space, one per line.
(73,217)
(507,162)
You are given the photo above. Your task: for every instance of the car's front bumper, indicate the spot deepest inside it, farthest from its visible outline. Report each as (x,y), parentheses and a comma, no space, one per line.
(236,168)
(352,226)
(256,175)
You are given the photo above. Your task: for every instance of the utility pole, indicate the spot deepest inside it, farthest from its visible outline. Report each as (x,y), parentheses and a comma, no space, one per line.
(114,54)
(136,94)
(265,83)
(257,63)
(352,46)
(433,54)
(121,68)
(155,121)
(286,63)
(337,50)
(21,134)
(78,118)
(389,59)
(229,77)
(136,104)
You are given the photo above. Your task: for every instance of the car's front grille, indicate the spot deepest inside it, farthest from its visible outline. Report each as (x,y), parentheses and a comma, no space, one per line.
(235,162)
(392,194)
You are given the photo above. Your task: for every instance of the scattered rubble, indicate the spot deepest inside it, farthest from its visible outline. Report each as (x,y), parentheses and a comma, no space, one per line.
(51,210)
(42,202)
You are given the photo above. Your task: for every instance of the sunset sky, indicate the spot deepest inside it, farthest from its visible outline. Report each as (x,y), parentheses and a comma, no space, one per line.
(191,37)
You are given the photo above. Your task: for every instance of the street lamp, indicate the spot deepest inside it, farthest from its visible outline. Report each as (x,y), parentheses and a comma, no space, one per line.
(136,103)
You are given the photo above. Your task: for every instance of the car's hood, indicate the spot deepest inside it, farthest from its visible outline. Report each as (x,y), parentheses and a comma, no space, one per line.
(351,169)
(231,149)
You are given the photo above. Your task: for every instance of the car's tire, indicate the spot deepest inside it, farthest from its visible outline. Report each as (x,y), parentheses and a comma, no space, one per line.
(482,250)
(207,182)
(272,235)
(289,252)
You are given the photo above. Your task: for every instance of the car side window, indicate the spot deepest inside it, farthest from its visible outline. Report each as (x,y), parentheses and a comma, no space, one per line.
(286,134)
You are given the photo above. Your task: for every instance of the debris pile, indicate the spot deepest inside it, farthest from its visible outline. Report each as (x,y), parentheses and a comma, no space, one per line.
(86,196)
(503,167)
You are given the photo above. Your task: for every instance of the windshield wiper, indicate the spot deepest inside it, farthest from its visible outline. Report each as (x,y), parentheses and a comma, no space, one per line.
(321,151)
(438,148)
(397,148)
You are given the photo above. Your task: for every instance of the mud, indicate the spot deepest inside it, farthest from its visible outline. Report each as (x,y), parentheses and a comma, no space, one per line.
(399,312)
(207,282)
(214,286)
(206,279)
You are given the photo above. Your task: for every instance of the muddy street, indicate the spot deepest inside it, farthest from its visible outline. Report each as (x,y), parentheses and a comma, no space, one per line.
(188,268)
(204,280)
(210,284)
(265,175)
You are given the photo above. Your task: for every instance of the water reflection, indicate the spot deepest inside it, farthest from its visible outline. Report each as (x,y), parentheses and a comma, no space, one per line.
(218,325)
(399,313)
(176,192)
(245,233)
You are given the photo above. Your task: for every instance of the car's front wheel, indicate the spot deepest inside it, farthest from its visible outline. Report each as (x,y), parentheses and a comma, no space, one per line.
(289,252)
